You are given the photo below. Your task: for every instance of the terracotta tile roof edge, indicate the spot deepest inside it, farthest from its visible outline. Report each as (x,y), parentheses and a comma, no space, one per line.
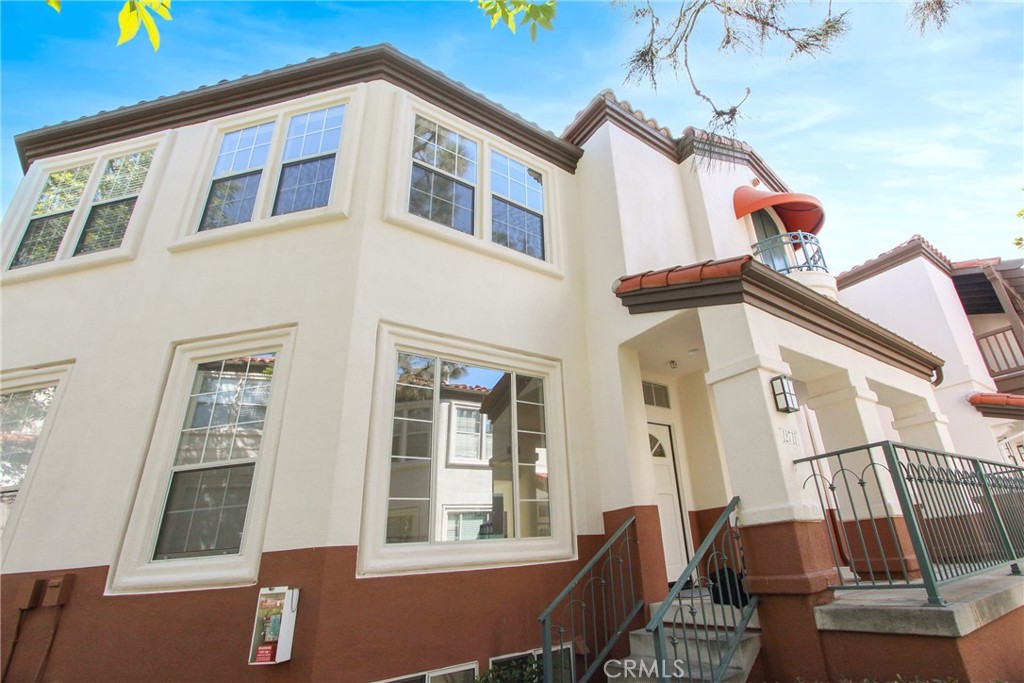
(990,399)
(682,275)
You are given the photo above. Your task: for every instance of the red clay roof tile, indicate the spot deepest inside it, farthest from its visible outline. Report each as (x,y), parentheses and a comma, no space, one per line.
(682,275)
(996,400)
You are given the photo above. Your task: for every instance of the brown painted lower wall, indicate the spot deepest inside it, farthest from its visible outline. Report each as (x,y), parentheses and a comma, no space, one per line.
(994,652)
(347,630)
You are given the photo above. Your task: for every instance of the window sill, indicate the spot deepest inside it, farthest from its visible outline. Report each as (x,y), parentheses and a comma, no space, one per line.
(264,226)
(424,558)
(461,239)
(71,265)
(187,574)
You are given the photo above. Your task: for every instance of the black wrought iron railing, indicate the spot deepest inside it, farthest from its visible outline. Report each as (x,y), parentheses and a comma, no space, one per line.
(701,623)
(901,516)
(791,251)
(582,625)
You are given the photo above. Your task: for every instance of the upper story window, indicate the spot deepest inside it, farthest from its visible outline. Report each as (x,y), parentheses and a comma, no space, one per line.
(655,394)
(517,206)
(99,196)
(307,164)
(446,173)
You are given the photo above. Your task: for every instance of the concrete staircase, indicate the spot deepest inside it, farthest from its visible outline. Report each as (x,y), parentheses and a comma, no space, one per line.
(698,654)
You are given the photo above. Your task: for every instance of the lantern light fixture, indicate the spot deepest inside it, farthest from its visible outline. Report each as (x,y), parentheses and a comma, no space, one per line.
(784,394)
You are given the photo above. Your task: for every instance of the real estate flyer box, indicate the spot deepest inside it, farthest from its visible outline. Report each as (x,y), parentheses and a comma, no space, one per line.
(274,627)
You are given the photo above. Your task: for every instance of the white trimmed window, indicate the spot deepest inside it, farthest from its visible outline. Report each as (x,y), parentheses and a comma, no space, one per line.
(28,402)
(97,197)
(306,167)
(467,463)
(220,443)
(463,673)
(202,504)
(446,173)
(517,206)
(508,496)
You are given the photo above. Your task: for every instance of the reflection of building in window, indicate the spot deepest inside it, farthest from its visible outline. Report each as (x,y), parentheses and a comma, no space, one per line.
(213,467)
(468,453)
(22,414)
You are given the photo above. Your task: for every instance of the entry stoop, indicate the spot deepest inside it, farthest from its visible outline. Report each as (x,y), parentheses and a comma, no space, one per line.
(702,655)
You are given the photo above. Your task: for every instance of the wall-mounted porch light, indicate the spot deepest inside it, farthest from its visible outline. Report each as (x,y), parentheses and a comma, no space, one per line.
(785,394)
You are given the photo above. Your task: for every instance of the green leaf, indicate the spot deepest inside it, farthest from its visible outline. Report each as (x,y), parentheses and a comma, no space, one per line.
(533,32)
(128,20)
(55,4)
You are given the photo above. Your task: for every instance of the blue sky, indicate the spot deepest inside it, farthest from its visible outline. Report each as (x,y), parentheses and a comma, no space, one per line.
(895,133)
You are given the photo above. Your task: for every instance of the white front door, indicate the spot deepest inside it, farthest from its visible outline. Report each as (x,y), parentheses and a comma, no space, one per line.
(666,491)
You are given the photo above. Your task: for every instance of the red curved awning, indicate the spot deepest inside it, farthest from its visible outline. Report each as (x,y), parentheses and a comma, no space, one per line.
(799,212)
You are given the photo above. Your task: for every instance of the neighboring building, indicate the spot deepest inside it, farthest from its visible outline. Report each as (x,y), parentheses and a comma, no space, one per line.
(970,313)
(350,327)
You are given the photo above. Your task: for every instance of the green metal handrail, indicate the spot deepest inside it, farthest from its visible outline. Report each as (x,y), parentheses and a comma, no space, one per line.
(693,582)
(604,591)
(963,515)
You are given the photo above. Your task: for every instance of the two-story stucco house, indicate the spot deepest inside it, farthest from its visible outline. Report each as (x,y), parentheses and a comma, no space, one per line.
(350,328)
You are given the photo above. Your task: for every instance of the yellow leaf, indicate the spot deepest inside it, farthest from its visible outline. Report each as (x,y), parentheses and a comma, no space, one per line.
(128,20)
(55,4)
(151,30)
(161,7)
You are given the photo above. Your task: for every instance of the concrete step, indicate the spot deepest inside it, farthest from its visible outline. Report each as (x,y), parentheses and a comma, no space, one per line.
(698,608)
(698,644)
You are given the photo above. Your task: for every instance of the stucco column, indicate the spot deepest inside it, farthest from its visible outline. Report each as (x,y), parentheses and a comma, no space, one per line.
(864,496)
(921,424)
(788,561)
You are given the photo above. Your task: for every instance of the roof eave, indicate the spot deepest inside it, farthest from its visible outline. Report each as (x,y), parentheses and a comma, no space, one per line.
(380,62)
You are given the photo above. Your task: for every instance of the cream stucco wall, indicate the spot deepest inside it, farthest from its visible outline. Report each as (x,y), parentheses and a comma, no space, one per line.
(919,302)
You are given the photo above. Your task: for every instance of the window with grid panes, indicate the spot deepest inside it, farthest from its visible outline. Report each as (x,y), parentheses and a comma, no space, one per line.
(508,494)
(22,414)
(212,474)
(444,176)
(517,206)
(308,160)
(107,212)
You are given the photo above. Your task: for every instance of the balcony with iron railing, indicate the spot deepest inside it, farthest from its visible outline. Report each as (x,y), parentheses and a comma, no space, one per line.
(1004,358)
(791,252)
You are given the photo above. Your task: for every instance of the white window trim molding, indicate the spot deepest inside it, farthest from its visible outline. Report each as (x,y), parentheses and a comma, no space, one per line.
(396,211)
(458,668)
(22,379)
(135,569)
(375,557)
(338,206)
(20,213)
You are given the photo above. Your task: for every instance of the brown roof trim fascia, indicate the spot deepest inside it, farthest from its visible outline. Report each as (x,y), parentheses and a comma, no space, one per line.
(763,288)
(706,145)
(720,148)
(602,109)
(908,251)
(380,62)
(1001,412)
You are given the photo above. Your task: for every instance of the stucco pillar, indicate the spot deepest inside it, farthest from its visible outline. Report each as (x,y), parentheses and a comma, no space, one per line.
(788,561)
(921,424)
(864,497)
